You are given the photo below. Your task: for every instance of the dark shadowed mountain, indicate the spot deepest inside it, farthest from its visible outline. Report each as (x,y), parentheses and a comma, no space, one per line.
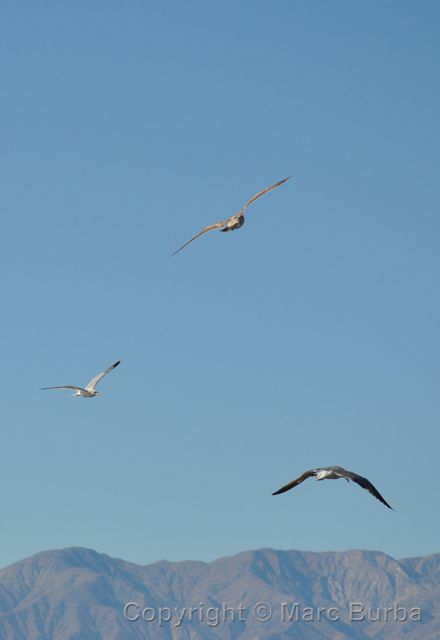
(79,594)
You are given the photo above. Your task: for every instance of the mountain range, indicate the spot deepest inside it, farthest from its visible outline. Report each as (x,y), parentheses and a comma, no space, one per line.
(79,594)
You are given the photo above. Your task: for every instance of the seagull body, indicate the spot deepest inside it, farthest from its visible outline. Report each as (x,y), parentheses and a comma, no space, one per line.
(234,222)
(334,473)
(89,391)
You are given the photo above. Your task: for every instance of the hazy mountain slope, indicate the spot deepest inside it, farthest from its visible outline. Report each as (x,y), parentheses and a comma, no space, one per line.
(79,594)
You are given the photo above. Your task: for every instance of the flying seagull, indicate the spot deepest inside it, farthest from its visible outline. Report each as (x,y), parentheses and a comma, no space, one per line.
(334,473)
(237,220)
(89,390)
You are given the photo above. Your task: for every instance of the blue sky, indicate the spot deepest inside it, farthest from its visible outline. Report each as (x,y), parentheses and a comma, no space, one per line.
(309,337)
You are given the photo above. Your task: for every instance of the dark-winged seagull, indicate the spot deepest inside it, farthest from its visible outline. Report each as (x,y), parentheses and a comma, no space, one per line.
(234,222)
(334,473)
(89,391)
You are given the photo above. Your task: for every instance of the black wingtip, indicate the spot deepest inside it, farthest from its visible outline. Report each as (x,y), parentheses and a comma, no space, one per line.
(116,364)
(182,246)
(383,501)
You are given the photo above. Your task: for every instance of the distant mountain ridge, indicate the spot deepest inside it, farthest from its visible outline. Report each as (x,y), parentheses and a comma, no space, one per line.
(79,594)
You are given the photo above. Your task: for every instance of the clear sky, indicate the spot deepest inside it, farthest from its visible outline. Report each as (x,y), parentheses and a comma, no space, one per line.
(310,337)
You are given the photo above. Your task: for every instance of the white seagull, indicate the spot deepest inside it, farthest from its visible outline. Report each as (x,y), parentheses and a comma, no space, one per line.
(334,473)
(89,390)
(237,220)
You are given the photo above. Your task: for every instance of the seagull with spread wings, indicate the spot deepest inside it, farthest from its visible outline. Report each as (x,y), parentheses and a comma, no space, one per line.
(234,222)
(89,391)
(334,473)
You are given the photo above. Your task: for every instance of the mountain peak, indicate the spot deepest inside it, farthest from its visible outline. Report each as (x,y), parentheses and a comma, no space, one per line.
(76,592)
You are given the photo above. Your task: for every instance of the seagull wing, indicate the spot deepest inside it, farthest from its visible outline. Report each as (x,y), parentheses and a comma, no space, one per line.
(216,225)
(67,386)
(366,484)
(261,193)
(296,482)
(94,381)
